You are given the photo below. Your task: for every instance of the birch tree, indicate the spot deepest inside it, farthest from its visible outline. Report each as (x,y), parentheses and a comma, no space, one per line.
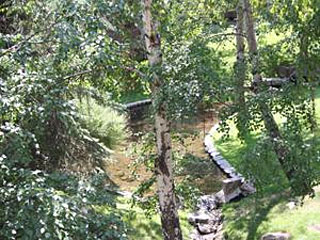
(163,165)
(240,74)
(278,142)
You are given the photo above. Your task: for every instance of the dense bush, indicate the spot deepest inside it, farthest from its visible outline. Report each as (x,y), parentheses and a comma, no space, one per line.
(35,205)
(40,127)
(103,122)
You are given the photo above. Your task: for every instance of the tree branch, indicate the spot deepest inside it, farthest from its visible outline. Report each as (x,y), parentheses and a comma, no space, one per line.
(78,74)
(18,46)
(228,34)
(132,69)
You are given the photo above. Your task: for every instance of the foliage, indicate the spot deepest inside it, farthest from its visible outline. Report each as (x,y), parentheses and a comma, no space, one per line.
(148,227)
(192,174)
(40,128)
(255,152)
(36,205)
(292,101)
(103,122)
(51,51)
(195,75)
(45,62)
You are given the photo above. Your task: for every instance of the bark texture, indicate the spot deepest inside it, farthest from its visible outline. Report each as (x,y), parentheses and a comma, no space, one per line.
(240,75)
(163,166)
(272,128)
(279,146)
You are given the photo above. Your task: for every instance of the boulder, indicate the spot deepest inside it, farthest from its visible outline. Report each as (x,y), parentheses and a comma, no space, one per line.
(276,236)
(285,71)
(200,216)
(291,205)
(208,202)
(211,236)
(247,188)
(230,190)
(211,227)
(195,235)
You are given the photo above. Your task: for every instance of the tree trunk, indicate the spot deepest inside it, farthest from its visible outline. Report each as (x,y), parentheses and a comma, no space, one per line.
(240,76)
(304,55)
(272,128)
(163,165)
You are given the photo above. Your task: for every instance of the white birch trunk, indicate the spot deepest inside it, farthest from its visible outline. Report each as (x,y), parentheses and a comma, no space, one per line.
(240,75)
(163,165)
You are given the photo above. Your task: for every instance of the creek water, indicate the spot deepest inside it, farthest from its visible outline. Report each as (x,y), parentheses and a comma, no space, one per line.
(196,163)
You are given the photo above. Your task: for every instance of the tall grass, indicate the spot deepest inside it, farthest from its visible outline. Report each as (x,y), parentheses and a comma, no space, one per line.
(103,122)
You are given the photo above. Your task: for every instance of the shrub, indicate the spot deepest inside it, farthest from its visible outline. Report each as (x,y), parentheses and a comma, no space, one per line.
(36,205)
(40,129)
(103,122)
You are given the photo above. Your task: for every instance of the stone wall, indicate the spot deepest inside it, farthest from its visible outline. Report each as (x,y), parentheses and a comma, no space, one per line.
(207,219)
(138,110)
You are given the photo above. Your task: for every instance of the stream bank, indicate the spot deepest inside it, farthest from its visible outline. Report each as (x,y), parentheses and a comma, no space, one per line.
(208,219)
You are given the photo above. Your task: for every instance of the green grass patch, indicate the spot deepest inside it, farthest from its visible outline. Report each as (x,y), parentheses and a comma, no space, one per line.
(252,217)
(268,211)
(129,97)
(146,227)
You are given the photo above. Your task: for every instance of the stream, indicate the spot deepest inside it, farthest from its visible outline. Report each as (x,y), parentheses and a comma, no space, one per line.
(217,180)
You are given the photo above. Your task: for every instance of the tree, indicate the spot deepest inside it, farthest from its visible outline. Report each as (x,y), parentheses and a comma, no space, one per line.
(240,74)
(278,142)
(163,165)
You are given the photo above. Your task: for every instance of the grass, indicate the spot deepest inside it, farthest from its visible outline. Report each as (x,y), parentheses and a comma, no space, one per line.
(256,215)
(252,217)
(148,227)
(227,48)
(298,221)
(133,96)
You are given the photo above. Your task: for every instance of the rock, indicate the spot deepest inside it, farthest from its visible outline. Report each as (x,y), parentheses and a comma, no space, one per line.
(247,188)
(210,227)
(220,197)
(200,217)
(214,154)
(208,202)
(211,236)
(195,235)
(314,228)
(207,229)
(219,234)
(285,71)
(291,205)
(231,189)
(208,143)
(276,236)
(203,217)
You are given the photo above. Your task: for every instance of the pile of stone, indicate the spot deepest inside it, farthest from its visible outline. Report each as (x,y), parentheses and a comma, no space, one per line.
(207,219)
(276,236)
